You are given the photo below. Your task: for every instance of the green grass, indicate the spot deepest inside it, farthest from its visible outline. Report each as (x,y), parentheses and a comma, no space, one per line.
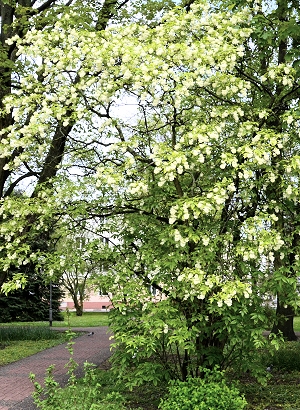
(88,319)
(17,342)
(16,350)
(297,324)
(16,333)
(282,392)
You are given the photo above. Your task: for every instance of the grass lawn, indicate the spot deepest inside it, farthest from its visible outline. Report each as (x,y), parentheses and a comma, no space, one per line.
(297,324)
(88,319)
(18,349)
(281,393)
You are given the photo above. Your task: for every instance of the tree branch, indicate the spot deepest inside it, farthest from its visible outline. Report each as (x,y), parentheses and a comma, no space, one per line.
(15,183)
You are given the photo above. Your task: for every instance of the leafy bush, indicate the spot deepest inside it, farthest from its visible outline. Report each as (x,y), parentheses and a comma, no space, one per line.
(157,342)
(79,394)
(208,393)
(270,314)
(287,357)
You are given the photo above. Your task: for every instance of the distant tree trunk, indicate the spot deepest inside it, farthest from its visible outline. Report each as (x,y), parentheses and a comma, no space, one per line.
(285,321)
(78,304)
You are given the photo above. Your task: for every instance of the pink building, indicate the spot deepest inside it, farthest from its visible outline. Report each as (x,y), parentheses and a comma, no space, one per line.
(96,302)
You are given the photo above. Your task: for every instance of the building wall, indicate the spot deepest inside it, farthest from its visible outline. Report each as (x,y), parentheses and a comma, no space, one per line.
(97,302)
(94,303)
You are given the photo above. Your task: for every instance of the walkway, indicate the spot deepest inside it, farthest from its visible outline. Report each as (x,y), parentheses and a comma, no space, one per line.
(15,386)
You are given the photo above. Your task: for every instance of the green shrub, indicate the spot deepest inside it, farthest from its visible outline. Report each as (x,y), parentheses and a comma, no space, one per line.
(287,357)
(79,394)
(270,314)
(208,393)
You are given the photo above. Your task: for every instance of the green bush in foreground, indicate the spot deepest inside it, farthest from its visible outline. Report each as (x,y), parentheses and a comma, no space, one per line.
(79,394)
(209,393)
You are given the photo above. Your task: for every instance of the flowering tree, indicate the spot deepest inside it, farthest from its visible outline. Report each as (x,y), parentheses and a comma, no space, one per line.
(30,164)
(275,95)
(187,142)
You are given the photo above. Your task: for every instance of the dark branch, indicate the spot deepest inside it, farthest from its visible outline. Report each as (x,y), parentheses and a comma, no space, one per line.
(15,183)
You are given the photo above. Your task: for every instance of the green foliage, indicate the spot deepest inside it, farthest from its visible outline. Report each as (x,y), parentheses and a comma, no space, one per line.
(270,314)
(31,303)
(158,342)
(208,393)
(198,186)
(286,358)
(12,333)
(83,394)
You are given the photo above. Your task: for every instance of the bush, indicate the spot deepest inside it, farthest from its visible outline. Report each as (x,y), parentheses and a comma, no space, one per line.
(208,393)
(79,394)
(270,314)
(287,357)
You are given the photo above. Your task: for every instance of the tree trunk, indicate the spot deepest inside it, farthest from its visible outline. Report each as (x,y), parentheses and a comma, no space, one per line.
(78,306)
(285,322)
(79,310)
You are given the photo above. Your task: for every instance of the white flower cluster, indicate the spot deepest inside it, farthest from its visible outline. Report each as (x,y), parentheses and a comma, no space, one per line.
(284,73)
(196,283)
(168,164)
(179,238)
(139,188)
(260,239)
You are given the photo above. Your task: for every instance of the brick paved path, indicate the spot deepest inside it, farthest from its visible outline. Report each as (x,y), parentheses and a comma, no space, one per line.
(15,386)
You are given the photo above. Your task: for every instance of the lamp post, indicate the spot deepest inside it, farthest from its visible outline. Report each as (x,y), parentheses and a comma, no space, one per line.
(50,305)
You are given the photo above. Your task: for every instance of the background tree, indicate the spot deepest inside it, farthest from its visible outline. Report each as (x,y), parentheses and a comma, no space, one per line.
(80,266)
(34,164)
(31,303)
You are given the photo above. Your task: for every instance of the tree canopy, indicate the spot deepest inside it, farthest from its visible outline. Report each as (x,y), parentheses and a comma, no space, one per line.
(181,132)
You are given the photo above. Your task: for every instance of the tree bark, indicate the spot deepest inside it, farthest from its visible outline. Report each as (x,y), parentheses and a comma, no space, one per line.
(78,306)
(285,322)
